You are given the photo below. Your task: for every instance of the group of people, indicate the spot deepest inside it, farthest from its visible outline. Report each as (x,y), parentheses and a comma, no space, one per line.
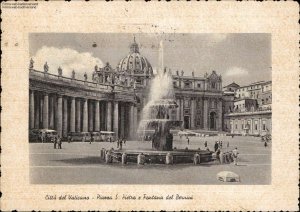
(219,145)
(120,143)
(57,142)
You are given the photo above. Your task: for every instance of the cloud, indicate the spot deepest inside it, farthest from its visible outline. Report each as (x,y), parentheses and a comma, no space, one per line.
(236,71)
(68,59)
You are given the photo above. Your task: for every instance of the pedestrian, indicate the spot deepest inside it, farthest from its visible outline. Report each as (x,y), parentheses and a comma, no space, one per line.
(235,155)
(42,137)
(266,144)
(216,146)
(227,144)
(59,142)
(188,140)
(54,142)
(125,140)
(205,144)
(221,144)
(118,143)
(92,139)
(121,144)
(69,138)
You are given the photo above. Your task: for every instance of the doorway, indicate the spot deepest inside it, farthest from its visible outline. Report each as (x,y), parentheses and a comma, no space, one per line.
(212,120)
(186,122)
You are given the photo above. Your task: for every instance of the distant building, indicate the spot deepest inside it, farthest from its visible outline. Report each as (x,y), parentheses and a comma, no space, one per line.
(252,109)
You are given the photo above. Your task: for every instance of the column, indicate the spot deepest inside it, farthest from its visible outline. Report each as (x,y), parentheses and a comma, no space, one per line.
(122,120)
(37,112)
(108,116)
(181,109)
(193,115)
(91,117)
(97,116)
(45,111)
(41,111)
(131,121)
(178,109)
(220,118)
(65,117)
(51,110)
(116,118)
(72,115)
(205,114)
(135,120)
(78,115)
(59,116)
(85,116)
(31,110)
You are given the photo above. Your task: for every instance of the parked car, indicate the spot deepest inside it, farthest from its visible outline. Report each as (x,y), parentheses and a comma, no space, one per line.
(80,136)
(96,136)
(107,136)
(36,135)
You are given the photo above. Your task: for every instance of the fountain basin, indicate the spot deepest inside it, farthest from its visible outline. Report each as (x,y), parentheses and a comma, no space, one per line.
(180,156)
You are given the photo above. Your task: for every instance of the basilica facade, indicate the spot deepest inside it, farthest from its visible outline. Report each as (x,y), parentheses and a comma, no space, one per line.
(112,99)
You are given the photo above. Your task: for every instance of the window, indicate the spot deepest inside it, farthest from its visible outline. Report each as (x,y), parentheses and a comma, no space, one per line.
(199,85)
(213,85)
(187,84)
(186,103)
(263,125)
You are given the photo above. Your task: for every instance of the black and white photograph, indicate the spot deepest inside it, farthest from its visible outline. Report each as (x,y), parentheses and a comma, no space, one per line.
(150,108)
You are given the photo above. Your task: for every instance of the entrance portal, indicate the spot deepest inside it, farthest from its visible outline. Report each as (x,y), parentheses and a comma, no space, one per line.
(186,122)
(212,121)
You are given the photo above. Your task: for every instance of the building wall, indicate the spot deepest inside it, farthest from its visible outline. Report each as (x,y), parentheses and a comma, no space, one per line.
(251,123)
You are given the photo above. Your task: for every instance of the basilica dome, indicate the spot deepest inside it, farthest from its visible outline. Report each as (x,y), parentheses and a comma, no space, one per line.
(135,63)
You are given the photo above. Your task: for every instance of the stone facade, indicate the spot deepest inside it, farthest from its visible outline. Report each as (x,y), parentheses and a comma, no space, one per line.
(113,99)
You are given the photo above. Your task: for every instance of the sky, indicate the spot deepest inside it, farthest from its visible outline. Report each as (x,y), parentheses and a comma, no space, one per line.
(241,58)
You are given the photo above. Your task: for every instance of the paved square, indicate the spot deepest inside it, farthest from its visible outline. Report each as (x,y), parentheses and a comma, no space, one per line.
(79,163)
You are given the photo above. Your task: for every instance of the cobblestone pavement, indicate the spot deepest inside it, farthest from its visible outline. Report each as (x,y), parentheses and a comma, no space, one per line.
(79,163)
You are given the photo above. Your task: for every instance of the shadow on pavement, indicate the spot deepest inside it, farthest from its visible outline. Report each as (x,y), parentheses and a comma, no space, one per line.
(81,161)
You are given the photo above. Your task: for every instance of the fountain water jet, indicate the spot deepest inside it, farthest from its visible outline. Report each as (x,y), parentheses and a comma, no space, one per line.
(157,113)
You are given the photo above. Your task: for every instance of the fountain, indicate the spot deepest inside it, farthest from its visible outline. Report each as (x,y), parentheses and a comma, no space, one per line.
(157,113)
(159,117)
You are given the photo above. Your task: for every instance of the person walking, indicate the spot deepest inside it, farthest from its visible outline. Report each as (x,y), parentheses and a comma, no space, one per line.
(188,140)
(54,142)
(124,140)
(121,144)
(227,144)
(216,147)
(235,155)
(266,144)
(205,144)
(59,142)
(118,143)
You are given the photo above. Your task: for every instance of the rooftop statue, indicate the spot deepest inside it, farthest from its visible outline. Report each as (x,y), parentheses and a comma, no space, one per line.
(31,64)
(46,67)
(73,74)
(59,71)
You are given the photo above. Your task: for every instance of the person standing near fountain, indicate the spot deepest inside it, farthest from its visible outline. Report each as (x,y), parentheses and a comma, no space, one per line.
(169,140)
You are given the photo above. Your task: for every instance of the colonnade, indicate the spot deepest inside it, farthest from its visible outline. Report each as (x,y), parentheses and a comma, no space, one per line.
(76,114)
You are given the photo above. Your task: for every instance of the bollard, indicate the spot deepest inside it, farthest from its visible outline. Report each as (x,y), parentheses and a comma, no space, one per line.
(102,154)
(226,158)
(108,157)
(141,159)
(124,158)
(169,158)
(196,159)
(221,156)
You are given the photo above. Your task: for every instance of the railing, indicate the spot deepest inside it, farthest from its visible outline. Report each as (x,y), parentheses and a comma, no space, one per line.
(104,86)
